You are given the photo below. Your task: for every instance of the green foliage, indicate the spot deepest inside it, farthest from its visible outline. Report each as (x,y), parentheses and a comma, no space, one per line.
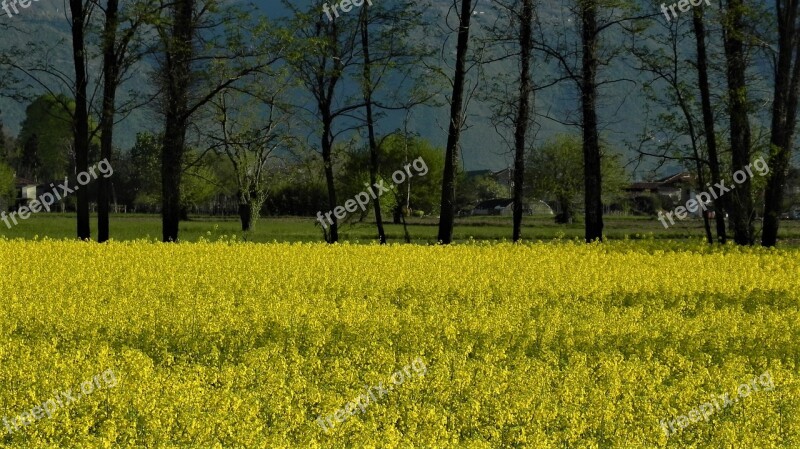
(474,189)
(222,173)
(198,182)
(7,147)
(299,189)
(555,172)
(46,137)
(145,170)
(8,192)
(425,190)
(422,191)
(615,178)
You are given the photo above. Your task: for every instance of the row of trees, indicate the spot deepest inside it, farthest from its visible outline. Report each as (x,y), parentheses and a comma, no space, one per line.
(225,80)
(295,187)
(210,179)
(232,83)
(677,70)
(554,172)
(717,68)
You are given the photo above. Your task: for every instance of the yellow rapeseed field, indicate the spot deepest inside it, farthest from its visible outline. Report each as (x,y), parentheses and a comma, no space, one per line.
(543,345)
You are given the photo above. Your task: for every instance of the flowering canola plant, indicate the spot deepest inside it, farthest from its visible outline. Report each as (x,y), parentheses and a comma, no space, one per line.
(541,345)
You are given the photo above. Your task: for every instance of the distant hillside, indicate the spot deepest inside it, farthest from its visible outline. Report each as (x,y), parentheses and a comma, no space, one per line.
(622,107)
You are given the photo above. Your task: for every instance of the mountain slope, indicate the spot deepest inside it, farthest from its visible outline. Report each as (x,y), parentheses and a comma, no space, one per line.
(621,113)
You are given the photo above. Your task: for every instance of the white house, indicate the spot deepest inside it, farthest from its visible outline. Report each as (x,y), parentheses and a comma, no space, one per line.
(26,191)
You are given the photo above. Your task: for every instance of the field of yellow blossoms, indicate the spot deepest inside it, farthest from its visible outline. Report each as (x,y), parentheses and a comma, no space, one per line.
(544,345)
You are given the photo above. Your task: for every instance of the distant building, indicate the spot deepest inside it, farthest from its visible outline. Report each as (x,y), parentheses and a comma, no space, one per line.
(504,177)
(505,207)
(665,193)
(675,187)
(497,206)
(26,191)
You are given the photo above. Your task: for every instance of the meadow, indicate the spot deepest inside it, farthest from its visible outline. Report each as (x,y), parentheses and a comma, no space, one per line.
(421,230)
(543,345)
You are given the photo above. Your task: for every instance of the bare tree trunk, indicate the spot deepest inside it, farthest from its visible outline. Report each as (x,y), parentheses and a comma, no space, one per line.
(327,158)
(374,163)
(701,182)
(591,141)
(708,120)
(565,215)
(523,113)
(110,80)
(81,117)
(171,157)
(742,212)
(177,69)
(695,151)
(784,117)
(448,202)
(246,216)
(249,210)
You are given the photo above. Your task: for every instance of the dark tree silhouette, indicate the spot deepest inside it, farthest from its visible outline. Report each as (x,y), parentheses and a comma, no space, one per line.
(80,123)
(698,24)
(523,112)
(784,115)
(448,203)
(591,140)
(741,205)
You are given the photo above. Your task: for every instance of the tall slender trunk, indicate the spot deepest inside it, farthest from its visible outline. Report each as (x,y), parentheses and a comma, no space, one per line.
(171,157)
(591,140)
(742,212)
(110,82)
(784,117)
(708,120)
(374,163)
(81,118)
(327,158)
(523,113)
(448,203)
(326,87)
(701,181)
(698,163)
(177,70)
(695,151)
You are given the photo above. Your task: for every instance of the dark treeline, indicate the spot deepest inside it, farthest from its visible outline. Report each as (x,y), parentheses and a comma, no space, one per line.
(299,113)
